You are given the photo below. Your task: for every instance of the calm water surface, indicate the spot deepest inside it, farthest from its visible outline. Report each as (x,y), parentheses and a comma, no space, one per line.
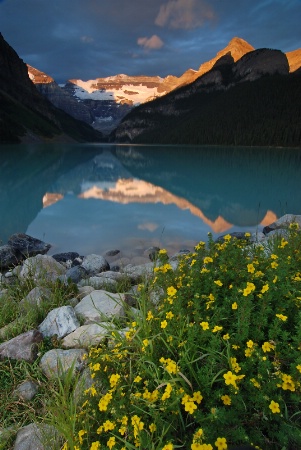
(93,198)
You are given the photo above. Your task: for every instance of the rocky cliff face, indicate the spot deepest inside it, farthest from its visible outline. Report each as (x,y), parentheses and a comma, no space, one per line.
(27,115)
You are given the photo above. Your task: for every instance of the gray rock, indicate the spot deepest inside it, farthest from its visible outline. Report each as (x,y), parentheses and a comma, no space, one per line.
(35,297)
(26,390)
(152,253)
(155,296)
(95,264)
(131,296)
(75,274)
(116,276)
(22,347)
(27,245)
(111,253)
(99,282)
(100,306)
(60,322)
(66,257)
(84,290)
(37,437)
(86,336)
(258,236)
(8,257)
(84,382)
(138,273)
(57,362)
(42,267)
(283,222)
(179,255)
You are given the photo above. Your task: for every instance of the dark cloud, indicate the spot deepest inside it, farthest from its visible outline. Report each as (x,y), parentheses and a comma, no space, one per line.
(97,38)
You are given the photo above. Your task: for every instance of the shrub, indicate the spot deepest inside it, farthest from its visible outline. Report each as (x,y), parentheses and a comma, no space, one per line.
(217,363)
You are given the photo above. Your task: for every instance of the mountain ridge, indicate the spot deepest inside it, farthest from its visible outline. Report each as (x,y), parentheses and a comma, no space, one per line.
(25,114)
(109,99)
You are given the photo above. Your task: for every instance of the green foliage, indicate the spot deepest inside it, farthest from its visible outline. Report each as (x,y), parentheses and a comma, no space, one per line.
(216,363)
(18,317)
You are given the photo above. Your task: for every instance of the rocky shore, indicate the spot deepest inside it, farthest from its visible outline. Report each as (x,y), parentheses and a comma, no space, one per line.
(83,322)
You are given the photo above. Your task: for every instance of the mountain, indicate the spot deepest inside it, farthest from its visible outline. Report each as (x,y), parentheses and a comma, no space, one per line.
(294,59)
(253,101)
(103,102)
(25,114)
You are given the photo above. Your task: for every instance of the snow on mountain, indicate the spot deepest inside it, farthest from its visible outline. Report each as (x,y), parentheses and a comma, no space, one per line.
(120,88)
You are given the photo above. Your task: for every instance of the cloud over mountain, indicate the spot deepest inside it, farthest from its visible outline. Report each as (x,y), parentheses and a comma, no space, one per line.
(185,14)
(152,43)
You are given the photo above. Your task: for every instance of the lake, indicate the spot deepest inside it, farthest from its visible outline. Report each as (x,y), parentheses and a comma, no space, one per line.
(92,198)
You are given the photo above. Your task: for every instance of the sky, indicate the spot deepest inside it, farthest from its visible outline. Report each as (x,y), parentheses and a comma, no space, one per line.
(88,39)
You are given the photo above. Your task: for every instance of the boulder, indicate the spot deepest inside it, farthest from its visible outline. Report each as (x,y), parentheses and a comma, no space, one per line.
(37,437)
(56,362)
(22,347)
(8,257)
(26,390)
(94,264)
(42,267)
(283,222)
(86,336)
(35,297)
(60,322)
(27,245)
(99,282)
(138,273)
(100,306)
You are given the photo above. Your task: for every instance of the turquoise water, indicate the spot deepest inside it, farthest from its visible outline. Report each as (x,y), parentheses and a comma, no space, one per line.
(94,198)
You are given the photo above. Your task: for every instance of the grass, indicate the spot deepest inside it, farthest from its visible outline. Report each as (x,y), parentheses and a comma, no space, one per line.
(215,364)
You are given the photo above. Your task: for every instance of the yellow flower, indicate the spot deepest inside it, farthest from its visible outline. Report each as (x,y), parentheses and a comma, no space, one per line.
(164,324)
(190,407)
(298,367)
(108,425)
(114,379)
(274,407)
(137,379)
(230,378)
(81,433)
(248,352)
(250,344)
(250,288)
(281,317)
(95,445)
(274,265)
(227,237)
(234,305)
(149,316)
(171,291)
(265,288)
(197,397)
(152,427)
(167,392)
(169,315)
(255,383)
(205,325)
(226,399)
(221,443)
(168,446)
(226,336)
(218,282)
(216,329)
(251,268)
(267,347)
(208,260)
(111,442)
(247,235)
(273,256)
(197,446)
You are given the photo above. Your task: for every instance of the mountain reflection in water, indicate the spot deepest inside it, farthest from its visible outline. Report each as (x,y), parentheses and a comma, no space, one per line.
(99,197)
